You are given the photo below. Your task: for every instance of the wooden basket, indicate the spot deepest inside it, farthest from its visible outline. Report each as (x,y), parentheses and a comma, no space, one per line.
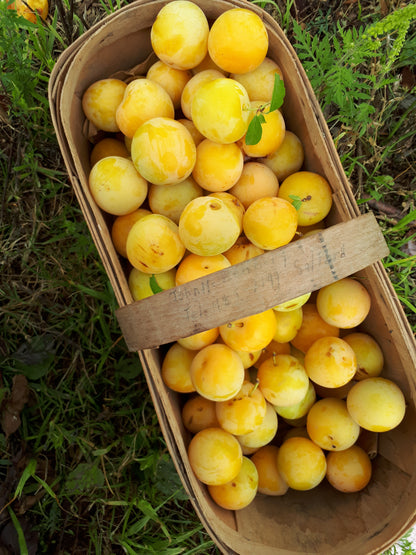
(322,520)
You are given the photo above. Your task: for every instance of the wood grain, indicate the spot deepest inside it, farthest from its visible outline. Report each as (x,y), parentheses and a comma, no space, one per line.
(254,285)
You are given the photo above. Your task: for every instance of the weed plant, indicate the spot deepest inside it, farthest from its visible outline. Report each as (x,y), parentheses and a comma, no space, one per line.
(355,70)
(86,469)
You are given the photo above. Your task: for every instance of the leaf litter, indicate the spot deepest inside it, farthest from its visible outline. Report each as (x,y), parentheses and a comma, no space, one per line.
(13,405)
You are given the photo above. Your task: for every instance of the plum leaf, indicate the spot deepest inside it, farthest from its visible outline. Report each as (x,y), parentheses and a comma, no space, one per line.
(254,130)
(154,286)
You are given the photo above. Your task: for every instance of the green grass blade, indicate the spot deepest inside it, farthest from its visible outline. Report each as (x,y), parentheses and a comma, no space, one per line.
(27,473)
(20,534)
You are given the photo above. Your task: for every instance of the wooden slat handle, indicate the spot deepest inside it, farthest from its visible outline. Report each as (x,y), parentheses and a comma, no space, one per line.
(254,285)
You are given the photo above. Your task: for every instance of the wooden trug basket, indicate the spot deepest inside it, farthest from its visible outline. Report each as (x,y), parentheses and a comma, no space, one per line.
(322,520)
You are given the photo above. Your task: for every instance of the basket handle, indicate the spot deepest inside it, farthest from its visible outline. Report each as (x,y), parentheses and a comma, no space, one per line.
(254,285)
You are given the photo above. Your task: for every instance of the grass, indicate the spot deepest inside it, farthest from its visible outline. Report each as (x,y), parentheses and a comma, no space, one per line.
(356,69)
(89,423)
(87,470)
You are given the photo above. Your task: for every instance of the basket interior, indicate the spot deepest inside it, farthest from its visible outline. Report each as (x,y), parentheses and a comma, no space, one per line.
(321,520)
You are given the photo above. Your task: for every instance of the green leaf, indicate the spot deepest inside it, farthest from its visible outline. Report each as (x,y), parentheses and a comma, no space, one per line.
(254,131)
(296,201)
(85,477)
(46,487)
(19,531)
(278,94)
(154,286)
(404,222)
(35,358)
(26,474)
(167,479)
(128,369)
(101,452)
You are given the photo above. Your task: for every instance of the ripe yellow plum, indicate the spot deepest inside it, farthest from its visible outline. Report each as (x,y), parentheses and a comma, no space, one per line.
(263,433)
(288,158)
(199,340)
(140,284)
(116,185)
(192,85)
(208,63)
(215,456)
(283,380)
(100,102)
(297,354)
(238,41)
(217,372)
(272,349)
(235,206)
(306,231)
(293,304)
(218,166)
(313,190)
(121,228)
(194,266)
(370,357)
(198,413)
(330,425)
(270,222)
(242,250)
(108,147)
(302,233)
(171,200)
(127,142)
(256,181)
(190,126)
(288,324)
(302,463)
(207,226)
(179,34)
(251,333)
(294,413)
(243,412)
(219,110)
(271,482)
(176,366)
(171,79)
(153,244)
(240,491)
(247,451)
(249,358)
(349,470)
(143,100)
(330,362)
(297,431)
(163,151)
(259,82)
(273,132)
(344,303)
(376,404)
(313,327)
